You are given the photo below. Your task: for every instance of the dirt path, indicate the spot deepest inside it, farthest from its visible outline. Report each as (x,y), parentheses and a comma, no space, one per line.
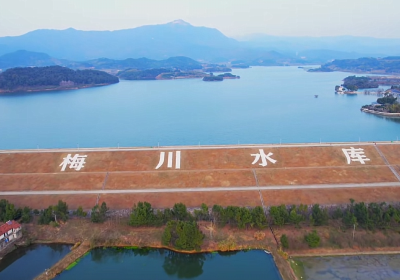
(61,265)
(325,253)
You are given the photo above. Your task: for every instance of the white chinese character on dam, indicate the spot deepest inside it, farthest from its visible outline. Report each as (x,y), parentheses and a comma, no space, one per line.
(76,162)
(354,154)
(170,159)
(261,155)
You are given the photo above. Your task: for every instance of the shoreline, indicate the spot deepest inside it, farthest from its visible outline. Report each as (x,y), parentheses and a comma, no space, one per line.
(385,114)
(84,249)
(200,147)
(83,236)
(8,92)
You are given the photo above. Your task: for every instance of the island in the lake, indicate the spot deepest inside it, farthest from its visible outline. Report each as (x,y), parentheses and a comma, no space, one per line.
(31,79)
(159,74)
(219,78)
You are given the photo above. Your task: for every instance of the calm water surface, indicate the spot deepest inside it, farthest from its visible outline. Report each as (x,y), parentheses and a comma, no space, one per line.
(267,105)
(29,262)
(379,267)
(163,264)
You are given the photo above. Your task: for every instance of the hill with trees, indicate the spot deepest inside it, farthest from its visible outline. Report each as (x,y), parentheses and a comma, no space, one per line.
(386,65)
(355,83)
(179,62)
(51,78)
(23,58)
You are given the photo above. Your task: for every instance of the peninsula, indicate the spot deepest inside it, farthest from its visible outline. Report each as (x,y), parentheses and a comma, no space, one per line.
(352,84)
(388,105)
(32,79)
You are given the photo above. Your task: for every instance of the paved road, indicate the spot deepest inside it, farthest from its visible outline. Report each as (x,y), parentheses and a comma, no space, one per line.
(210,189)
(199,147)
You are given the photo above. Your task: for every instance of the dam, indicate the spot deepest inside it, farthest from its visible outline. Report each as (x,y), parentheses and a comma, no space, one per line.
(241,175)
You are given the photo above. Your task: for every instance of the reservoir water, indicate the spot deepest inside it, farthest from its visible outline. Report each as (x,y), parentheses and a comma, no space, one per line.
(382,267)
(163,264)
(267,105)
(28,262)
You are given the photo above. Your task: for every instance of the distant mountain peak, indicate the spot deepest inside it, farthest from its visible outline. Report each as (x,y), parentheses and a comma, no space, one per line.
(180,22)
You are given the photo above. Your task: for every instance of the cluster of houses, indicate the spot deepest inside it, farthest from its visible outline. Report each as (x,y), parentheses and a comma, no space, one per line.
(9,232)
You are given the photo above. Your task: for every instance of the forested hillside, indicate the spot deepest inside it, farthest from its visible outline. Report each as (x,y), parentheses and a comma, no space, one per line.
(386,65)
(51,77)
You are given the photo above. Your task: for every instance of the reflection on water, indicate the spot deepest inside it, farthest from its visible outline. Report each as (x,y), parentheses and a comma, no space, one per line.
(161,264)
(396,120)
(28,262)
(184,265)
(267,105)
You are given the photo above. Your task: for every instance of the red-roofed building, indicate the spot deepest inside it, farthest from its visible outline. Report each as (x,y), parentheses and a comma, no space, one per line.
(9,232)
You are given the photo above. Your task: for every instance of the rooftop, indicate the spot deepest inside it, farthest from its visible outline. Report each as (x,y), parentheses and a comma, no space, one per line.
(9,225)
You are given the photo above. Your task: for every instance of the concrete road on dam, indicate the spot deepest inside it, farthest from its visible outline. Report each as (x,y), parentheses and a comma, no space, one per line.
(198,147)
(214,189)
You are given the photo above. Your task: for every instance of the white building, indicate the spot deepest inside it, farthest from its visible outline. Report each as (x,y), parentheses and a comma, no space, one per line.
(9,232)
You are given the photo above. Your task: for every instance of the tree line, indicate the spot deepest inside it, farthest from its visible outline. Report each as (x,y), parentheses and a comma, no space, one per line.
(369,216)
(182,230)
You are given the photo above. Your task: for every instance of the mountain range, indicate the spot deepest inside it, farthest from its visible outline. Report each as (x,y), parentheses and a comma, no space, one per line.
(24,58)
(179,38)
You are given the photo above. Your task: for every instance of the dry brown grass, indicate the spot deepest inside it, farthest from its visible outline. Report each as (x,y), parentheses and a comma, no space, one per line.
(331,196)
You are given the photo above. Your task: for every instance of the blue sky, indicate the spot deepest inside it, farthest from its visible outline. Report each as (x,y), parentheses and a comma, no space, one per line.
(234,18)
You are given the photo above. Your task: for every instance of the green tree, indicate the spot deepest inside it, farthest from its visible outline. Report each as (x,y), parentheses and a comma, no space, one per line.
(219,215)
(183,235)
(361,213)
(284,241)
(46,216)
(142,215)
(294,217)
(231,214)
(11,212)
(243,217)
(393,214)
(167,215)
(279,215)
(60,211)
(338,213)
(180,211)
(312,239)
(98,214)
(258,217)
(80,213)
(203,213)
(26,215)
(167,235)
(319,216)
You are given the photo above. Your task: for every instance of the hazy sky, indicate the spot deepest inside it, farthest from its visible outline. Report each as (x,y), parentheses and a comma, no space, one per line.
(375,18)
